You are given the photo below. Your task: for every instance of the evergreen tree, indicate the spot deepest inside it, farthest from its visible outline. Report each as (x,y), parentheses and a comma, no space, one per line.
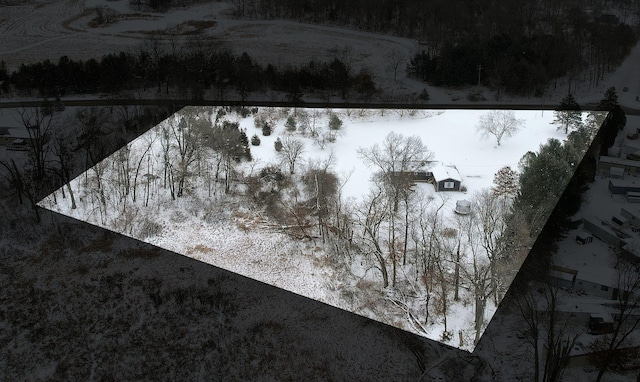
(568,115)
(244,141)
(255,140)
(291,124)
(278,145)
(243,138)
(505,182)
(610,100)
(266,129)
(543,178)
(335,123)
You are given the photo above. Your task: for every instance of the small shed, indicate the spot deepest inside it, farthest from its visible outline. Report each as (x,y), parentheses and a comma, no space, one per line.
(463,207)
(633,197)
(584,238)
(621,187)
(616,173)
(446,178)
(563,278)
(630,166)
(9,134)
(614,152)
(600,323)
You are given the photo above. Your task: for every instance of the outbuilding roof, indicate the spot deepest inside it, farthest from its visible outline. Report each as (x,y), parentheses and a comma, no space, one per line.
(442,172)
(14,132)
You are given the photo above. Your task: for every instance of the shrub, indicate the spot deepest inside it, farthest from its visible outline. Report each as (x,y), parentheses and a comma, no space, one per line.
(335,123)
(255,140)
(149,228)
(290,124)
(278,145)
(266,129)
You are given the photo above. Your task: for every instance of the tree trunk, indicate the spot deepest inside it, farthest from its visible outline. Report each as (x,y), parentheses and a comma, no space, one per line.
(456,296)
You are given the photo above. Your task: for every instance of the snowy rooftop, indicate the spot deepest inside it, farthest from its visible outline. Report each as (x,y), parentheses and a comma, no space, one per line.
(442,172)
(620,161)
(14,132)
(594,261)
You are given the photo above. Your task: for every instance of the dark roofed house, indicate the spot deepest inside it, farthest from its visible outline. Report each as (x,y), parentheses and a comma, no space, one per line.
(446,178)
(10,134)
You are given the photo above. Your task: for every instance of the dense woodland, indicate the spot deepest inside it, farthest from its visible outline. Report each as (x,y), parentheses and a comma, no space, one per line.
(190,72)
(521,46)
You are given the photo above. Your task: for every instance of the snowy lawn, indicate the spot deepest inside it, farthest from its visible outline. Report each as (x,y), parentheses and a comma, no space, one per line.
(223,231)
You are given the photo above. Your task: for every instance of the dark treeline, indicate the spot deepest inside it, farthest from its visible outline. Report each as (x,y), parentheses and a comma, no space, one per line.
(568,164)
(517,47)
(527,64)
(191,73)
(521,45)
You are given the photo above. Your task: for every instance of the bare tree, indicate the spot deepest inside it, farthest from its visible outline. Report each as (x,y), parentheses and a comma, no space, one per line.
(537,307)
(394,160)
(292,150)
(499,124)
(369,216)
(39,123)
(226,141)
(189,133)
(491,213)
(150,140)
(429,247)
(396,58)
(321,185)
(477,272)
(93,125)
(63,167)
(23,183)
(626,311)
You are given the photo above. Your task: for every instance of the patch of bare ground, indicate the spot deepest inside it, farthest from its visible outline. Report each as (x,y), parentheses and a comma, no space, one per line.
(199,248)
(105,18)
(187,28)
(248,221)
(67,23)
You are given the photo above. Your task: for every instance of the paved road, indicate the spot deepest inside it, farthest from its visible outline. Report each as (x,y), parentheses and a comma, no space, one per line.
(176,103)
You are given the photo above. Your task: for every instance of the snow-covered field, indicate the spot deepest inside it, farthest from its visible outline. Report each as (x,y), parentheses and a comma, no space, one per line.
(451,135)
(48,30)
(218,232)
